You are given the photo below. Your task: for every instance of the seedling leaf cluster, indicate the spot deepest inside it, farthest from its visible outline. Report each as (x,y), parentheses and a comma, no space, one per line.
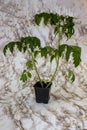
(63,27)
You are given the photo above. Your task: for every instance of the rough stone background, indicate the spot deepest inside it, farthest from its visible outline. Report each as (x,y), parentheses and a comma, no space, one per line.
(67,108)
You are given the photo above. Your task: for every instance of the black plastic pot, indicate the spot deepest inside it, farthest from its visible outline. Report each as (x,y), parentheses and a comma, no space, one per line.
(42,93)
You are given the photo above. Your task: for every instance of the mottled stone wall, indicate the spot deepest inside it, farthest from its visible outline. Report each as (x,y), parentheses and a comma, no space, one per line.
(67,108)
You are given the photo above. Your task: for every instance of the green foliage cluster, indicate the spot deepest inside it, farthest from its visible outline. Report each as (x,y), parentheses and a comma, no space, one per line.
(63,26)
(24,44)
(74,50)
(65,23)
(25,75)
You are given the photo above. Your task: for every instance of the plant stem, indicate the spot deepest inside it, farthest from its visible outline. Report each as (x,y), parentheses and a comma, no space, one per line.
(57,62)
(33,60)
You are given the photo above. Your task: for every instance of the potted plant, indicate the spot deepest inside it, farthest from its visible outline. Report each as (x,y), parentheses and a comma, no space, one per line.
(63,27)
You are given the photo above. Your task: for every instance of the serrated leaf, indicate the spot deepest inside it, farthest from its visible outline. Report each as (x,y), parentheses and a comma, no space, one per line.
(11,46)
(48,50)
(77,59)
(69,21)
(37,19)
(62,49)
(46,17)
(68,52)
(71,75)
(76,55)
(54,19)
(75,50)
(29,64)
(19,45)
(64,23)
(32,42)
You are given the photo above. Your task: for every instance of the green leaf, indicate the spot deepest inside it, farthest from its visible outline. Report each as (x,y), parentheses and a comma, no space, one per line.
(75,50)
(29,64)
(5,49)
(62,23)
(23,77)
(29,74)
(52,58)
(36,53)
(56,52)
(76,55)
(68,52)
(19,45)
(69,27)
(46,17)
(44,52)
(11,46)
(37,19)
(54,19)
(32,42)
(62,49)
(48,50)
(69,33)
(57,28)
(69,21)
(71,75)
